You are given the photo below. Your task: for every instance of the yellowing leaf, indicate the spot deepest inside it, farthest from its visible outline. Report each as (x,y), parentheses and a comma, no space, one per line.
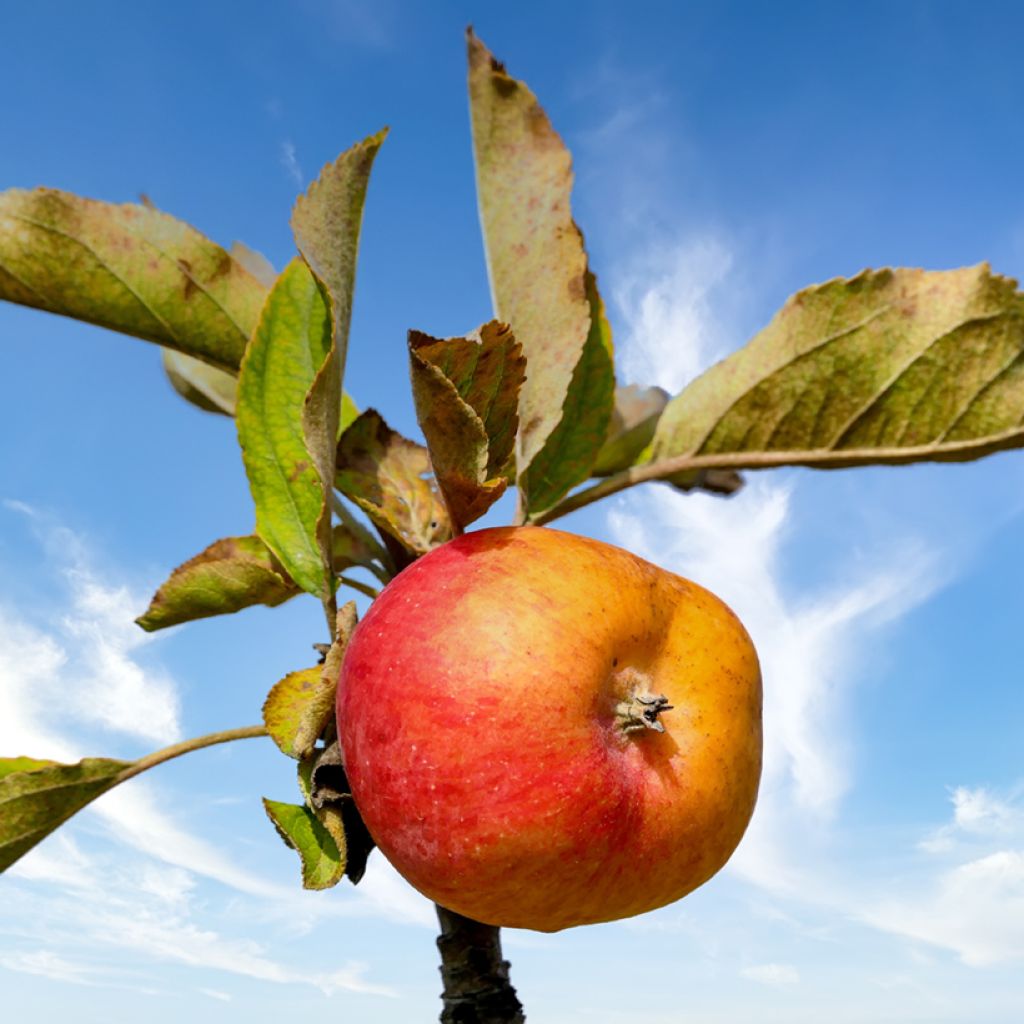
(229,575)
(388,477)
(888,366)
(129,268)
(539,280)
(634,418)
(38,796)
(299,707)
(466,391)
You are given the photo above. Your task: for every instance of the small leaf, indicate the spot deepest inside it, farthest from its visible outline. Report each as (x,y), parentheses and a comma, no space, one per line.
(38,796)
(287,351)
(323,864)
(229,575)
(325,786)
(889,366)
(205,386)
(570,451)
(128,268)
(631,429)
(538,273)
(297,704)
(466,391)
(388,477)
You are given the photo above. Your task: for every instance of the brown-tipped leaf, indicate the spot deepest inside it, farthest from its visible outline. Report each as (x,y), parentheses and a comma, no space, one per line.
(538,273)
(889,366)
(389,478)
(130,268)
(231,574)
(466,392)
(38,796)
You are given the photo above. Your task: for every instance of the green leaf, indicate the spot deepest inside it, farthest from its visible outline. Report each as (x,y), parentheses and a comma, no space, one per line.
(634,418)
(205,386)
(299,707)
(569,453)
(323,864)
(38,796)
(889,366)
(466,392)
(388,477)
(288,349)
(539,277)
(128,268)
(229,575)
(326,224)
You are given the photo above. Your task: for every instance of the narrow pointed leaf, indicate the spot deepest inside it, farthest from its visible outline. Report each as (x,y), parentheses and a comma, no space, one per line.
(288,350)
(568,455)
(326,222)
(388,477)
(130,268)
(466,392)
(538,272)
(323,864)
(889,366)
(229,575)
(38,796)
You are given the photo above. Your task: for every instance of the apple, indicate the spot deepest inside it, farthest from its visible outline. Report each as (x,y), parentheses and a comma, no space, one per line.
(541,730)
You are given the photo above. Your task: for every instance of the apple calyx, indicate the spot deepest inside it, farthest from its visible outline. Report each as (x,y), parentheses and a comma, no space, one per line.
(640,711)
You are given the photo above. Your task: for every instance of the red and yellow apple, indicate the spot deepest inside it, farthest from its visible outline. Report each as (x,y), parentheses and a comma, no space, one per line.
(542,730)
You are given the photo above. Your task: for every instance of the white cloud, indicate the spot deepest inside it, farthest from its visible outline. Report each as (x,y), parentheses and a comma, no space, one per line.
(776,975)
(290,161)
(665,300)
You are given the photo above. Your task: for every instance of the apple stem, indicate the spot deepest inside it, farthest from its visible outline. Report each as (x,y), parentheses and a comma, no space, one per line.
(641,712)
(477,989)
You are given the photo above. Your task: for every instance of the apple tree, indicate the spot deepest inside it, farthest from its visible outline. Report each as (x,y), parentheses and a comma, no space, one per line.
(889,366)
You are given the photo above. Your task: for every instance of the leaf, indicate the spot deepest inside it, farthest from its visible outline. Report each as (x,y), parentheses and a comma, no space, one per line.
(205,386)
(888,366)
(326,222)
(388,477)
(298,708)
(288,349)
(129,268)
(538,273)
(323,864)
(466,391)
(631,429)
(38,796)
(568,456)
(229,575)
(325,786)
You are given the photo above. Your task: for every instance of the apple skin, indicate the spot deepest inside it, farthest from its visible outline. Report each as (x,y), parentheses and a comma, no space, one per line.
(477,712)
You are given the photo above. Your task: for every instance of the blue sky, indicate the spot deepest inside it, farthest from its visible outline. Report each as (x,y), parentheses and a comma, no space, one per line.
(726,155)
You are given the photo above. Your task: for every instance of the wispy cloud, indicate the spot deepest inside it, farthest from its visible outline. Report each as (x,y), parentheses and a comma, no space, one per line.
(290,162)
(776,975)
